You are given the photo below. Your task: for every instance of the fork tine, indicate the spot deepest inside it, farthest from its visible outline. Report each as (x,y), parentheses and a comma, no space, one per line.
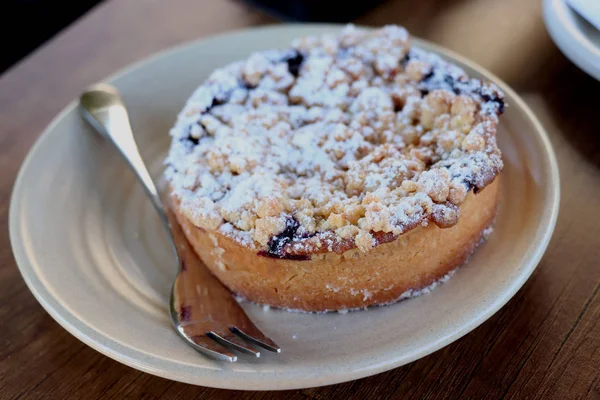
(208,346)
(229,339)
(254,335)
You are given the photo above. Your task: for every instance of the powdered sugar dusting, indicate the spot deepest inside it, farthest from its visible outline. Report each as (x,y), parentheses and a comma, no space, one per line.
(334,141)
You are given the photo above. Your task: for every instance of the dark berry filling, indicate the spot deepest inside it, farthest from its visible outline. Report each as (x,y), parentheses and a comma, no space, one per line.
(425,88)
(185,314)
(493,98)
(217,101)
(451,82)
(295,257)
(405,60)
(277,243)
(294,62)
(427,83)
(427,76)
(193,140)
(190,138)
(248,86)
(467,184)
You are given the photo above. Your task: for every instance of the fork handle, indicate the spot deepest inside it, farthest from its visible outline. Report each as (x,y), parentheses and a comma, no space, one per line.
(103,107)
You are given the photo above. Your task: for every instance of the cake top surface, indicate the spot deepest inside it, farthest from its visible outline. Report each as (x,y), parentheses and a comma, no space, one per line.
(341,141)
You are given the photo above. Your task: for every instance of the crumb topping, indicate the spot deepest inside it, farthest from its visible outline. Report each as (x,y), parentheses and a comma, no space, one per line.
(344,141)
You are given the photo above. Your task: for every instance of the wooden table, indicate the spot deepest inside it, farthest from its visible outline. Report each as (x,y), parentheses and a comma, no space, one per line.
(545,343)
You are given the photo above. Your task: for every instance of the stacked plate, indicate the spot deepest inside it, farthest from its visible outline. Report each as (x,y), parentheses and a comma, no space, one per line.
(575,28)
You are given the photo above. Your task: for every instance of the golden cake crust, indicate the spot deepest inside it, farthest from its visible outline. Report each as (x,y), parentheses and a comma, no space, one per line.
(352,279)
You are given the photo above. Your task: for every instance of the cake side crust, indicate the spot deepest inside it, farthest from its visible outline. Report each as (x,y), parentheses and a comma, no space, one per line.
(352,279)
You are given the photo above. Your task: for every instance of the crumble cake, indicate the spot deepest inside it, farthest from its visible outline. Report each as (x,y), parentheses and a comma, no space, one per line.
(337,174)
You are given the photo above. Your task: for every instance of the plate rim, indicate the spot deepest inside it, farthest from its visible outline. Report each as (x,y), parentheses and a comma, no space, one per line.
(142,361)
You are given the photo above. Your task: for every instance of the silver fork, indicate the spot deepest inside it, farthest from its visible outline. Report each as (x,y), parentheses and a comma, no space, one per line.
(203,311)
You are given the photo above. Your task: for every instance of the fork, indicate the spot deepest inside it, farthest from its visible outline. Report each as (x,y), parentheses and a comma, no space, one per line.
(202,310)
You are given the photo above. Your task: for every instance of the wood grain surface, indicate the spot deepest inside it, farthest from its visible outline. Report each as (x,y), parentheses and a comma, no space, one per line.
(545,343)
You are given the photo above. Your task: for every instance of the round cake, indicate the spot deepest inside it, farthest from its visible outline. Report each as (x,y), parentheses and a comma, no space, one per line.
(348,171)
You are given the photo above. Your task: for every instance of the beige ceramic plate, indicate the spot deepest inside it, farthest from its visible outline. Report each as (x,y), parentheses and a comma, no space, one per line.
(92,251)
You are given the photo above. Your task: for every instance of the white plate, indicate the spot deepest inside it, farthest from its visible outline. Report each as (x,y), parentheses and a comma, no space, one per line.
(576,38)
(92,251)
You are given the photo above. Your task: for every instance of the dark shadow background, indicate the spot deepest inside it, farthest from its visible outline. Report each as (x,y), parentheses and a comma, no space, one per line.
(27,24)
(315,10)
